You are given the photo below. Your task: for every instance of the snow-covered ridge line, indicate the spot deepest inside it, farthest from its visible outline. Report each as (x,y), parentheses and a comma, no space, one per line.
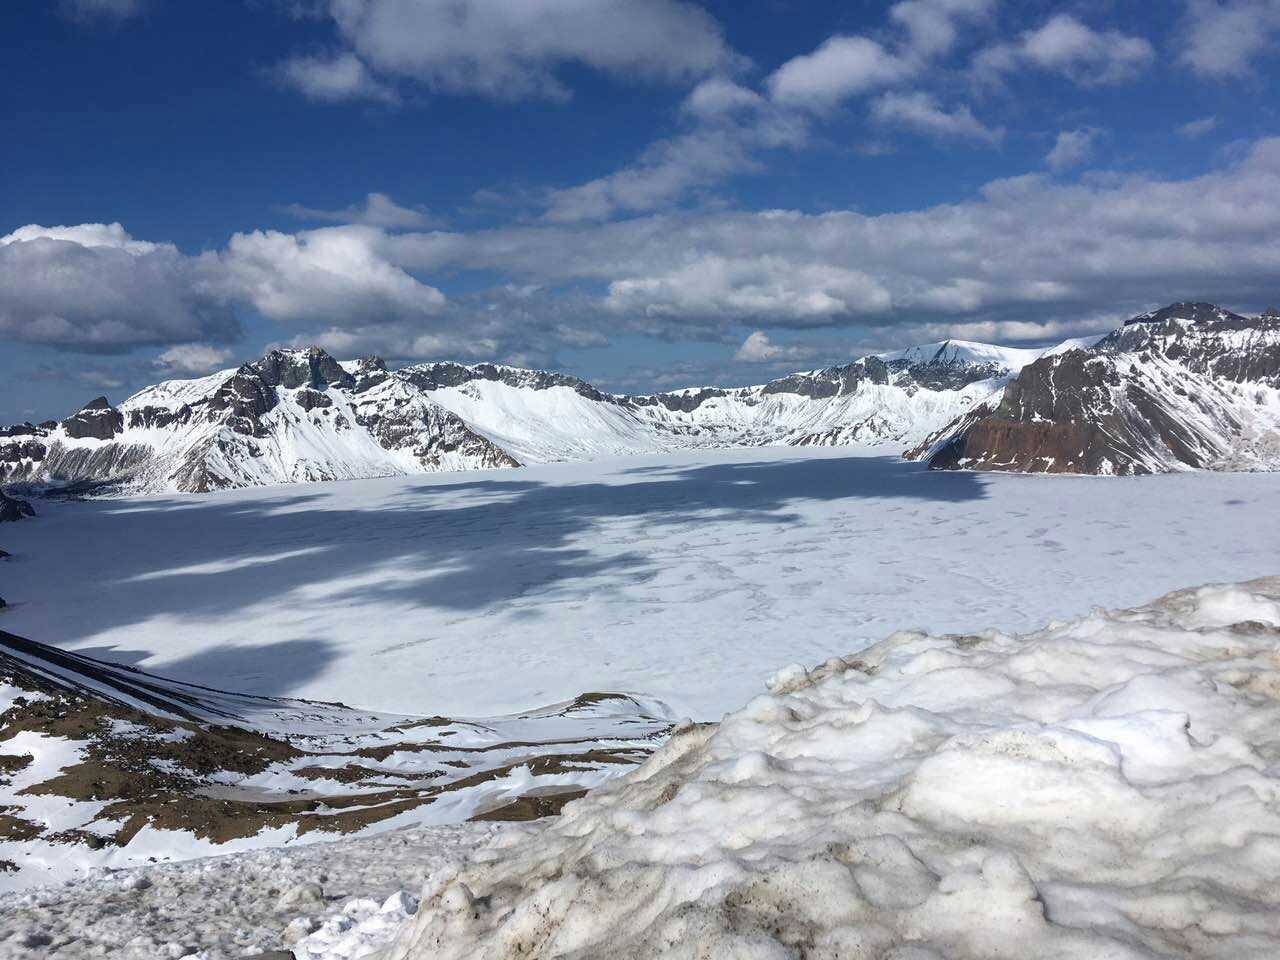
(1105,787)
(1190,386)
(301,415)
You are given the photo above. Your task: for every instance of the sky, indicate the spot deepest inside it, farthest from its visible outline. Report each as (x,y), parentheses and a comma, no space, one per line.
(646,193)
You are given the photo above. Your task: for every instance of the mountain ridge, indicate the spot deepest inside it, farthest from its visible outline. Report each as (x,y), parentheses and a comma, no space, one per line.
(1167,390)
(299,414)
(1189,386)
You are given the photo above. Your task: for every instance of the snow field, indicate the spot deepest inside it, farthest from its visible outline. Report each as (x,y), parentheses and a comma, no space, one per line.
(1103,788)
(684,577)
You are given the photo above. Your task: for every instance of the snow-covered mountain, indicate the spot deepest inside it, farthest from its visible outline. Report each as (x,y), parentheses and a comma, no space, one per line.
(1189,386)
(300,415)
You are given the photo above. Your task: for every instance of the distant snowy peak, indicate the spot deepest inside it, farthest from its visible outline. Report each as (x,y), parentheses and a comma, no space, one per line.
(1190,386)
(958,352)
(302,415)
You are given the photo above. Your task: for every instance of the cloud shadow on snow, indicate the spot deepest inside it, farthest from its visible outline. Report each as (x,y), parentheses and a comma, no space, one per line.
(440,549)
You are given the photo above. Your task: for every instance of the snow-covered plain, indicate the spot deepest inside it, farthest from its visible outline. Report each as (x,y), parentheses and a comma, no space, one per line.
(683,577)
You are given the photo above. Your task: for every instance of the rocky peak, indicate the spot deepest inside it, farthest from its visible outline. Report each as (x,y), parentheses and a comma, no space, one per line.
(97,419)
(369,372)
(1195,312)
(435,376)
(291,369)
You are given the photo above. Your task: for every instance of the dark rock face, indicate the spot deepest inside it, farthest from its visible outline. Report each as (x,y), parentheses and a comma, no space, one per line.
(1160,393)
(243,400)
(159,417)
(1185,310)
(313,399)
(685,402)
(434,376)
(292,369)
(370,372)
(98,420)
(11,508)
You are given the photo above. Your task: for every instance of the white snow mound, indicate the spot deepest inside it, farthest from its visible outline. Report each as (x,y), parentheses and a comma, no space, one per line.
(1106,788)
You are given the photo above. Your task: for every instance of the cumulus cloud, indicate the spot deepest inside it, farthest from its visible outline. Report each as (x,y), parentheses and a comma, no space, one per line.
(1195,129)
(842,67)
(93,286)
(334,273)
(920,113)
(1072,148)
(378,210)
(730,124)
(1028,257)
(758,348)
(342,76)
(513,49)
(188,359)
(1029,249)
(1221,40)
(931,25)
(1066,46)
(848,66)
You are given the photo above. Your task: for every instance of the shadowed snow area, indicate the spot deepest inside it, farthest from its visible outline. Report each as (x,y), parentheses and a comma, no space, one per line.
(682,577)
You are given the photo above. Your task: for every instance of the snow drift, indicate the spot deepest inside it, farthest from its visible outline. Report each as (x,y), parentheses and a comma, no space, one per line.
(1107,787)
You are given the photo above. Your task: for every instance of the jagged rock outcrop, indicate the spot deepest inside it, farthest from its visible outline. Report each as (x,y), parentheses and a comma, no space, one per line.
(1187,386)
(98,421)
(13,508)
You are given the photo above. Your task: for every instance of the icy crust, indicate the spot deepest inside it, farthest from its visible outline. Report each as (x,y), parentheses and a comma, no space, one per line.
(1105,788)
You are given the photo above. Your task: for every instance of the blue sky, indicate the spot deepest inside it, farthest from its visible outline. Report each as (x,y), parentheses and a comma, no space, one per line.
(648,193)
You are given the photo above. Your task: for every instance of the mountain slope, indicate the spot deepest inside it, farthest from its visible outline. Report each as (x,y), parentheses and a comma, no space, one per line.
(1188,386)
(300,415)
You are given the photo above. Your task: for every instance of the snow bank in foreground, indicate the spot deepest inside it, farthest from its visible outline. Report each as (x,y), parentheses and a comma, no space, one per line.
(1104,788)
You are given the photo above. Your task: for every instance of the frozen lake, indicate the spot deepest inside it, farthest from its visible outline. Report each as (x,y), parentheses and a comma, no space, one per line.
(687,577)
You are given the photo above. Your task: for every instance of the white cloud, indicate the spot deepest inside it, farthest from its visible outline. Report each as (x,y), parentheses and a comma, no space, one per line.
(1072,148)
(920,113)
(513,49)
(931,25)
(1030,256)
(334,273)
(848,66)
(191,359)
(717,97)
(1030,247)
(1221,40)
(93,286)
(758,348)
(1065,46)
(1196,129)
(333,79)
(379,210)
(842,67)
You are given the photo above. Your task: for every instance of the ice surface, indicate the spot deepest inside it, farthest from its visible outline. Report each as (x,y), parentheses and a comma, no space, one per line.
(684,577)
(1104,788)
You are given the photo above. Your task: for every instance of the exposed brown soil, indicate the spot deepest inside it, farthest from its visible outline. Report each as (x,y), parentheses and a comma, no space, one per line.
(158,772)
(531,807)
